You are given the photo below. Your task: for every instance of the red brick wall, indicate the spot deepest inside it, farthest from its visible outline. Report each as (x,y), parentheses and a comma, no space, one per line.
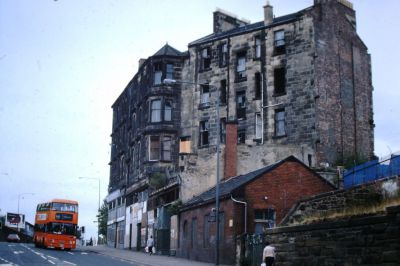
(283,186)
(231,150)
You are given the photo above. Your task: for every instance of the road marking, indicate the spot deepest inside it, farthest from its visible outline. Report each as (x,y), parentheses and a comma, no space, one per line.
(69,262)
(71,253)
(50,261)
(18,252)
(52,257)
(84,253)
(43,257)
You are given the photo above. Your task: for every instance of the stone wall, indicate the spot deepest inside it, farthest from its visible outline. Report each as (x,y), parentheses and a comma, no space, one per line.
(361,195)
(373,240)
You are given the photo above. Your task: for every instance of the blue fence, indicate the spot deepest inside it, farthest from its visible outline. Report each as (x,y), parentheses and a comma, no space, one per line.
(372,170)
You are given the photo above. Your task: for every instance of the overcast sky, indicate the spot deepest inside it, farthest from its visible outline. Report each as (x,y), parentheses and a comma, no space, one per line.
(64,62)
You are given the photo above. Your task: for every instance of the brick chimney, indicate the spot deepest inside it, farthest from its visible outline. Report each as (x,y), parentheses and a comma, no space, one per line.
(231,150)
(268,14)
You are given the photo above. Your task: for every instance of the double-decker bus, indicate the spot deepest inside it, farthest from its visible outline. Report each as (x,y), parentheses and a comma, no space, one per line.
(56,224)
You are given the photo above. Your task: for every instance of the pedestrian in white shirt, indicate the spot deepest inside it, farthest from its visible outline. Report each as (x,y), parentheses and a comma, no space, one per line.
(269,254)
(150,244)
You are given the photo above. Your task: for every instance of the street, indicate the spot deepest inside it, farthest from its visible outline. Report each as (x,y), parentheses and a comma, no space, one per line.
(26,254)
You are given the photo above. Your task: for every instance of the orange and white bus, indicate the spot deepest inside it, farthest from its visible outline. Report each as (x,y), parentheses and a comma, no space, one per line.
(56,224)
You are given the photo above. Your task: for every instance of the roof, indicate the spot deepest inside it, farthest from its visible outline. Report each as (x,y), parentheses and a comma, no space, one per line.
(247,28)
(226,187)
(168,50)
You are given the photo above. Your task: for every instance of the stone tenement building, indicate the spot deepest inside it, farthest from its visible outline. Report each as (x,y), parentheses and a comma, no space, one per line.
(298,84)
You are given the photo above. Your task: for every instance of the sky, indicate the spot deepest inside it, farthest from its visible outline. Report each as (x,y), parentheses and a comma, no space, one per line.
(63,63)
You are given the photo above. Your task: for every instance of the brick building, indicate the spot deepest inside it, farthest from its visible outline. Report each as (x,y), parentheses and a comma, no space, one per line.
(268,194)
(298,84)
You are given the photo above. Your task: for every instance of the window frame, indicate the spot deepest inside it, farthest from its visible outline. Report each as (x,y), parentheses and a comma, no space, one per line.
(205,59)
(241,106)
(204,133)
(280,122)
(241,74)
(154,111)
(166,148)
(279,81)
(154,150)
(223,55)
(157,73)
(258,126)
(257,47)
(279,42)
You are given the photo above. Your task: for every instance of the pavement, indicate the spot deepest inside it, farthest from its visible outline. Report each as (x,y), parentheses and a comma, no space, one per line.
(142,258)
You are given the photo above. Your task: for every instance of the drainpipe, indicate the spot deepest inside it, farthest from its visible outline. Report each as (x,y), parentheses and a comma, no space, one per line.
(245,212)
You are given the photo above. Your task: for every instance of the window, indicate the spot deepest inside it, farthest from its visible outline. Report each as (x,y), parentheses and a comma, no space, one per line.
(157,73)
(279,42)
(266,217)
(203,133)
(166,148)
(193,239)
(223,55)
(185,229)
(241,105)
(167,111)
(155,111)
(279,81)
(206,232)
(257,47)
(241,136)
(169,73)
(258,126)
(222,93)
(241,66)
(223,129)
(205,95)
(257,87)
(154,148)
(185,145)
(280,123)
(205,58)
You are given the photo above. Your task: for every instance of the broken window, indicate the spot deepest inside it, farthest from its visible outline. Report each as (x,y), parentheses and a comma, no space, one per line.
(205,94)
(257,47)
(241,136)
(157,73)
(279,42)
(259,126)
(223,55)
(279,81)
(154,148)
(185,145)
(222,93)
(241,66)
(166,148)
(205,58)
(155,111)
(203,133)
(280,123)
(167,110)
(241,105)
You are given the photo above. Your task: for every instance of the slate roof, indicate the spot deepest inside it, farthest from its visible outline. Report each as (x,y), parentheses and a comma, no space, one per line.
(168,50)
(226,187)
(247,28)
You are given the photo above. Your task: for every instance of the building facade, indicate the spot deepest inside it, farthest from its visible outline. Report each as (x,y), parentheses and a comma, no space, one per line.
(298,84)
(250,204)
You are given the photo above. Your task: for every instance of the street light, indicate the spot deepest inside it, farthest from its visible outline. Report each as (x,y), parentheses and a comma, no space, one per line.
(94,178)
(19,196)
(171,82)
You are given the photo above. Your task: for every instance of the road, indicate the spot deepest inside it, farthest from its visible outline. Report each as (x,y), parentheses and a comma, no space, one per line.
(13,254)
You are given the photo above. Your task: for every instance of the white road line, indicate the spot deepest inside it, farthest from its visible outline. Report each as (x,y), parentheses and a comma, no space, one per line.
(71,253)
(69,262)
(51,257)
(84,253)
(50,261)
(43,257)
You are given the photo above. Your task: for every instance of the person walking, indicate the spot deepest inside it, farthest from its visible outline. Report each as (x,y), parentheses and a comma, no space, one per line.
(150,244)
(269,254)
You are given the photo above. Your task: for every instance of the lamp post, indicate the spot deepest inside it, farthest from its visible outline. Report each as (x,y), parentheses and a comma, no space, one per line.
(170,82)
(94,178)
(19,196)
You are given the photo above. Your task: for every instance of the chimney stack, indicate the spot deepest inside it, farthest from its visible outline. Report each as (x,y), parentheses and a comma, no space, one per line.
(141,61)
(268,14)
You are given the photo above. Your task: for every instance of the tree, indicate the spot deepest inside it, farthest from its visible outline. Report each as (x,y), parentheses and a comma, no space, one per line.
(102,218)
